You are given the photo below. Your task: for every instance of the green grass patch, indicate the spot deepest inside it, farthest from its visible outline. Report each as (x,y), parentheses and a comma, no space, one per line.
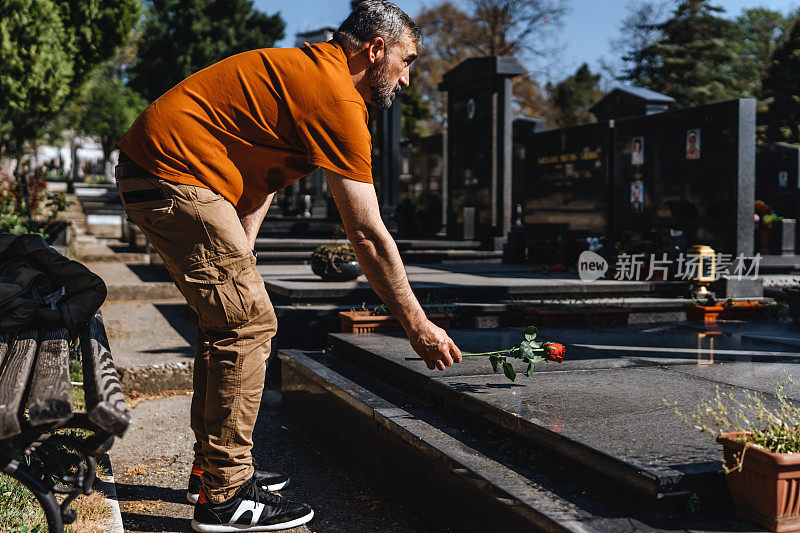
(20,511)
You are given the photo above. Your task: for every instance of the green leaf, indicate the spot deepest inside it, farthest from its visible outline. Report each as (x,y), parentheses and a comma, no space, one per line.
(529,371)
(536,359)
(536,344)
(495,360)
(530,333)
(508,370)
(526,350)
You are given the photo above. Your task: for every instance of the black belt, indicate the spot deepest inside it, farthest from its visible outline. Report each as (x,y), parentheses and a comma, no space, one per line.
(127,168)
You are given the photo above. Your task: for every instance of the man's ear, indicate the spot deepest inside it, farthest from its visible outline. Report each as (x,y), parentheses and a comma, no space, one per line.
(376,50)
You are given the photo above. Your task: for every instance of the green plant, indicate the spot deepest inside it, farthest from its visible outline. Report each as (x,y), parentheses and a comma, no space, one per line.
(433,304)
(378,310)
(528,351)
(45,206)
(693,504)
(774,429)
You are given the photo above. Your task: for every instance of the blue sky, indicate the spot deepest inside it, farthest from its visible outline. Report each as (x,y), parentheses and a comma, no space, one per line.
(585,36)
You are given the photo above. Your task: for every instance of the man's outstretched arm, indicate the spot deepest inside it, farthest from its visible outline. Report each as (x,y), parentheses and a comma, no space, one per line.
(377,253)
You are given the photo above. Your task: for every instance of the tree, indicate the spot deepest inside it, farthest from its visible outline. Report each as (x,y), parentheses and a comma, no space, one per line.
(47,49)
(508,27)
(35,70)
(694,59)
(573,97)
(106,109)
(415,111)
(494,27)
(96,28)
(181,37)
(781,88)
(639,30)
(757,32)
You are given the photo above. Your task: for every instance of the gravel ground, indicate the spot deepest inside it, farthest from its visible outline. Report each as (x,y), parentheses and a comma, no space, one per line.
(152,462)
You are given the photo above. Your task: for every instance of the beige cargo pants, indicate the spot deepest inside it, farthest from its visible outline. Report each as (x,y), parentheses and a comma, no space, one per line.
(198,235)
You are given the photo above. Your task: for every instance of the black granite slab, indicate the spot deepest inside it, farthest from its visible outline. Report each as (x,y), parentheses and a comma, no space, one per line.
(466,282)
(422,454)
(604,406)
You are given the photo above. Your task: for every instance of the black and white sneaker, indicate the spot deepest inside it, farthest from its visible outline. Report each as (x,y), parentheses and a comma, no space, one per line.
(269,481)
(250,509)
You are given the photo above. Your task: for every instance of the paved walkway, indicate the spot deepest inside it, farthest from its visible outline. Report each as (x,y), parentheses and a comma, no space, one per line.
(152,462)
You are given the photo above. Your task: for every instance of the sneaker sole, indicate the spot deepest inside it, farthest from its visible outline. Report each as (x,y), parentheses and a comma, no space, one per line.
(229,528)
(192,498)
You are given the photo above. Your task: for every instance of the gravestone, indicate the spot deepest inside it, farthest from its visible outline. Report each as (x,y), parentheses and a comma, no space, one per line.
(563,186)
(479,146)
(778,181)
(624,102)
(689,170)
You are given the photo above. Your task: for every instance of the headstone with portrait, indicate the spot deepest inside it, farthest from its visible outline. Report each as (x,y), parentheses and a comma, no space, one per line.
(685,175)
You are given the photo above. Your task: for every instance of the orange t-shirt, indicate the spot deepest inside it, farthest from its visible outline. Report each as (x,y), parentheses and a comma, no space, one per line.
(256,122)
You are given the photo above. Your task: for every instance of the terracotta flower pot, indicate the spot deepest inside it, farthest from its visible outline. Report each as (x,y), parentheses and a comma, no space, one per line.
(767,490)
(702,313)
(743,310)
(363,322)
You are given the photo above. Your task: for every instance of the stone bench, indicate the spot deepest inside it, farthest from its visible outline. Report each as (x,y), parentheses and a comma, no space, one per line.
(36,400)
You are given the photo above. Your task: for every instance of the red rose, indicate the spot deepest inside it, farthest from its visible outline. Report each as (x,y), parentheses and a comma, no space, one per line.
(554,351)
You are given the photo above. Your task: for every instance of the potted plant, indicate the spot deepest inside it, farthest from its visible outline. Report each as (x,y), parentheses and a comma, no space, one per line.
(761,450)
(335,262)
(370,320)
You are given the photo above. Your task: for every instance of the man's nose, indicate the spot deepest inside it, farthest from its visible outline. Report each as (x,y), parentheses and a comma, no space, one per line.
(405,78)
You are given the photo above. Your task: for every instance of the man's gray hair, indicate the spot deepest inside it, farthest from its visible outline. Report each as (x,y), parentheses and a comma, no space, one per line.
(376,18)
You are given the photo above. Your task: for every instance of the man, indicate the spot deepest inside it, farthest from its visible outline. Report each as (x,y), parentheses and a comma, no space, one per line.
(198,172)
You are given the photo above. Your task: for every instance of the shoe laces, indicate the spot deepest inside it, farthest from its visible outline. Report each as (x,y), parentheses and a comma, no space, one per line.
(253,491)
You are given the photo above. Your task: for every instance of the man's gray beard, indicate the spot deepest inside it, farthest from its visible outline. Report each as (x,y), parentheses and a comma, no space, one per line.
(380,86)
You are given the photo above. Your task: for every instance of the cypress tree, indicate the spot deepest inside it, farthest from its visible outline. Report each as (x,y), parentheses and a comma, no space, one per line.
(781,88)
(694,59)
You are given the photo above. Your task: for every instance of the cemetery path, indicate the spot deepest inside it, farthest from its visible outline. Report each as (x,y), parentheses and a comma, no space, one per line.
(152,461)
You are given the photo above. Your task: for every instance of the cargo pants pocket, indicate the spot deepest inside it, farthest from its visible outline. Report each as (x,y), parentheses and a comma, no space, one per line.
(228,292)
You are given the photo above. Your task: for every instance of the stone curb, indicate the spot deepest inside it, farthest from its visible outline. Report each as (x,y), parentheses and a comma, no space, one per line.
(151,379)
(108,486)
(151,290)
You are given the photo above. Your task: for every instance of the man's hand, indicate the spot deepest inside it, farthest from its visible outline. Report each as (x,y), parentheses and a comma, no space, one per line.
(434,346)
(379,259)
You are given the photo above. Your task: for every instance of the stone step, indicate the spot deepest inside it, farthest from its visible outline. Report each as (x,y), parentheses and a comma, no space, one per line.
(469,477)
(306,326)
(602,408)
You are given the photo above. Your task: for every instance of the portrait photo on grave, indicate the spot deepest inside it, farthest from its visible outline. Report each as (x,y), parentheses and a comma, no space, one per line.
(693,144)
(637,197)
(637,151)
(783,178)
